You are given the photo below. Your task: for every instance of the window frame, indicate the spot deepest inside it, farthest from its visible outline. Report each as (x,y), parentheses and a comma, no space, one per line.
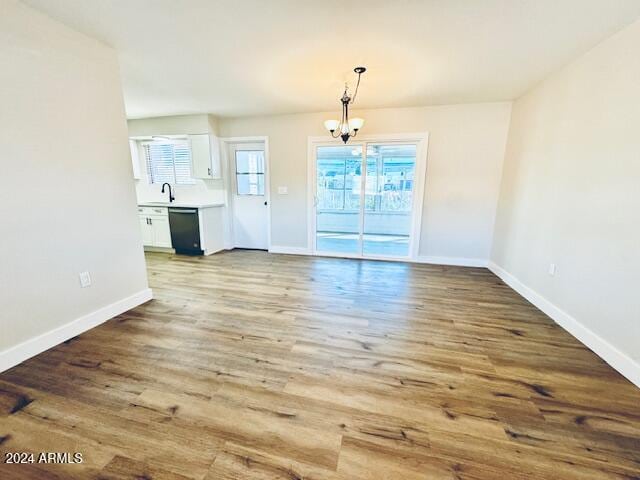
(182,141)
(263,173)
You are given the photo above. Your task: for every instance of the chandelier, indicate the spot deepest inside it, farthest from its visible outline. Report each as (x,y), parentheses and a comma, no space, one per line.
(347,127)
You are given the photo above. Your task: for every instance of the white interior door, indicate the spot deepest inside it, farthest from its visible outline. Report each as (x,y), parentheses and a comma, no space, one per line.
(248,169)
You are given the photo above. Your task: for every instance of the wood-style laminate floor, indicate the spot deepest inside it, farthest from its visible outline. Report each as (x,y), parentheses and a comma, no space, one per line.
(249,365)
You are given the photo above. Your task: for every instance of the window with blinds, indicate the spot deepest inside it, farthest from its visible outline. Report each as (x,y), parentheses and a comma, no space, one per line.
(168,161)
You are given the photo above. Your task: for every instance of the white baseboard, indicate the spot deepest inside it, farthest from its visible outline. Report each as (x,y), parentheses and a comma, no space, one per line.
(455,261)
(21,352)
(289,250)
(620,361)
(148,248)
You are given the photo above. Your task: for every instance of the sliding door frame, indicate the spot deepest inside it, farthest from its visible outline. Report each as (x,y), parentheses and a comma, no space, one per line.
(421,140)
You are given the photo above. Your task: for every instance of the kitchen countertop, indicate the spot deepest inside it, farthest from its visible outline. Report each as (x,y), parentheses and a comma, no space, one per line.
(181,204)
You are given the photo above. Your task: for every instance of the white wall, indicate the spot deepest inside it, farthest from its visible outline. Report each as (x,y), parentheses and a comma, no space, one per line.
(203,191)
(571,196)
(67,202)
(466,149)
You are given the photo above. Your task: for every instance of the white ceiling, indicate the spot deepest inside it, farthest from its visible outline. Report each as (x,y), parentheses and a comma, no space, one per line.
(246,57)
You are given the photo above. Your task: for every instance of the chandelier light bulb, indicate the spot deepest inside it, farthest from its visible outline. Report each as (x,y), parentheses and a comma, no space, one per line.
(331,125)
(356,123)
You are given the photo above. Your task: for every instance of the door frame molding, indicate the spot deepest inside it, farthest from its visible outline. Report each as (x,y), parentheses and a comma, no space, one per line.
(225,143)
(421,139)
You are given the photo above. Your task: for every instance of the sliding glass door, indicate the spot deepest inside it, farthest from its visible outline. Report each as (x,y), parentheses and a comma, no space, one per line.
(364,199)
(388,199)
(338,202)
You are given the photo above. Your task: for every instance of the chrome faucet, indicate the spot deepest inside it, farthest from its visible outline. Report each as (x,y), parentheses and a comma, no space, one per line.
(171,197)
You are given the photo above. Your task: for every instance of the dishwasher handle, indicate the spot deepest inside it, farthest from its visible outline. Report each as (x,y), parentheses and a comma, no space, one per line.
(183,210)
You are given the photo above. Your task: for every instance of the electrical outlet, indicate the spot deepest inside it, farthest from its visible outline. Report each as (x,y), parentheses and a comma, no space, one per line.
(552,269)
(283,190)
(85,279)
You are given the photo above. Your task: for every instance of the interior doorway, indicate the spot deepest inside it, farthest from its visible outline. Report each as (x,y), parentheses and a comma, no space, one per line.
(249,194)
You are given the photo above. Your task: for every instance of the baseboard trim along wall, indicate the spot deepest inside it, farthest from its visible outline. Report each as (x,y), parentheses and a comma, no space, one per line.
(25,350)
(453,261)
(289,250)
(620,361)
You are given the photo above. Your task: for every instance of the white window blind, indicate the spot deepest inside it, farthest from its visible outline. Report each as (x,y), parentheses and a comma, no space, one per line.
(168,161)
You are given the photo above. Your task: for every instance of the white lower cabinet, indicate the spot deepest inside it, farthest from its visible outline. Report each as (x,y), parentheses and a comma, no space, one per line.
(161,231)
(154,223)
(147,231)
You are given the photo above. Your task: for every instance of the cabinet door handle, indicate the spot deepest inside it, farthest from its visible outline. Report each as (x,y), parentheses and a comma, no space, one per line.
(209,171)
(150,222)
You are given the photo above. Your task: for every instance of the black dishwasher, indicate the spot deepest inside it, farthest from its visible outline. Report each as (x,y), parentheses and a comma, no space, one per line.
(185,230)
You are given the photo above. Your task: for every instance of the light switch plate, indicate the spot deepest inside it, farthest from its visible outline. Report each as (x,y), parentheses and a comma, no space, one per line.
(283,190)
(85,279)
(552,269)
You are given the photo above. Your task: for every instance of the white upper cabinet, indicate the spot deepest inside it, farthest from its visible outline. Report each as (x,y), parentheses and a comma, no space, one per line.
(135,159)
(216,168)
(205,156)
